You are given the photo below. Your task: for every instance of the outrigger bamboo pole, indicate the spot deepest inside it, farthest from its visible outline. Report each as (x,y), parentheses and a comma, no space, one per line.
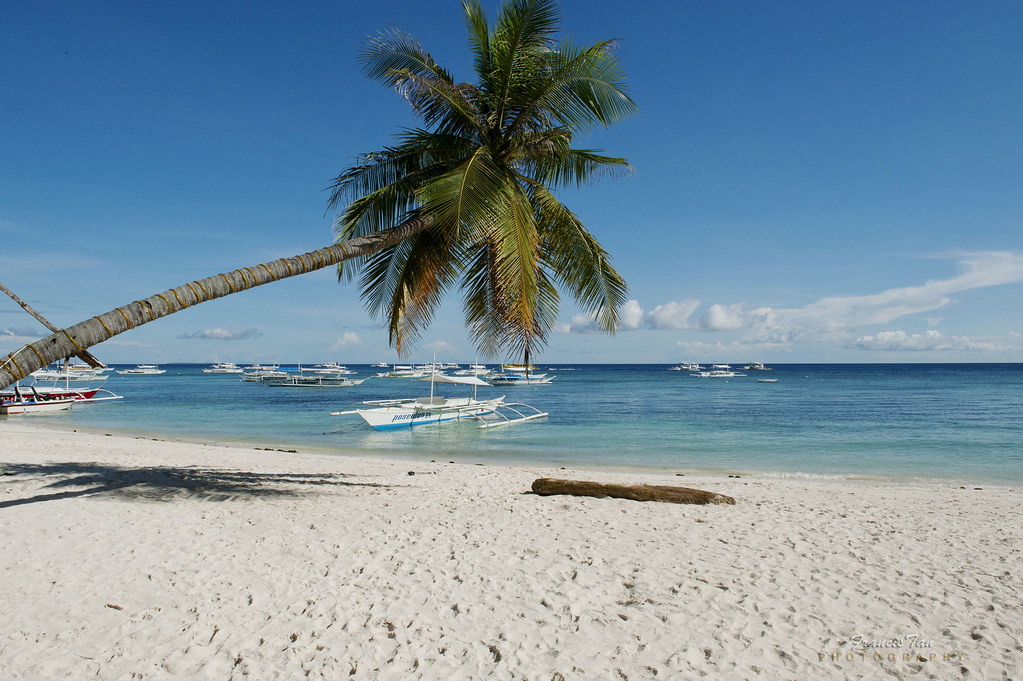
(84,355)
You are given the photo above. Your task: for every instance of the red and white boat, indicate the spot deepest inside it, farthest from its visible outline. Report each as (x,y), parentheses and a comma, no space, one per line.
(34,405)
(56,392)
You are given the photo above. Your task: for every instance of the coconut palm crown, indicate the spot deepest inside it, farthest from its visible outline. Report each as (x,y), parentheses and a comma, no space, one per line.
(482,173)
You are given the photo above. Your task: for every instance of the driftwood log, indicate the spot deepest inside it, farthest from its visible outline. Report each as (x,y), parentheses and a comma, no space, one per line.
(584,488)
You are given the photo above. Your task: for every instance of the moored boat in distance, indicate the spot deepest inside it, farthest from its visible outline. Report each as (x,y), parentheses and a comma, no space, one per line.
(473,370)
(333,368)
(404,371)
(518,368)
(70,372)
(718,371)
(142,370)
(686,366)
(310,381)
(518,379)
(518,374)
(223,368)
(756,366)
(255,373)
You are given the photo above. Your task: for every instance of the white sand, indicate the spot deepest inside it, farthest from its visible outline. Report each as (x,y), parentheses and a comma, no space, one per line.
(126,558)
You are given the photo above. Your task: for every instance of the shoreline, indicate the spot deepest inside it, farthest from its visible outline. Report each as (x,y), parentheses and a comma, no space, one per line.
(164,559)
(492,459)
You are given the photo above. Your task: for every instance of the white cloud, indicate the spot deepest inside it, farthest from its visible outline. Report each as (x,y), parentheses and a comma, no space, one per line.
(736,316)
(580,323)
(979,270)
(223,334)
(11,333)
(930,340)
(673,315)
(347,340)
(834,319)
(632,315)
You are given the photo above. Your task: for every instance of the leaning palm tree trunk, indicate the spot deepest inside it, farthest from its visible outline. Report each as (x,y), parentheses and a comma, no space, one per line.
(75,339)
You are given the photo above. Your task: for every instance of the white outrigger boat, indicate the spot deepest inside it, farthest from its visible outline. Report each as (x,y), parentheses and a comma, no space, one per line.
(36,392)
(718,371)
(310,381)
(330,368)
(518,379)
(518,374)
(21,403)
(223,368)
(34,406)
(409,412)
(142,370)
(70,372)
(687,366)
(756,366)
(404,371)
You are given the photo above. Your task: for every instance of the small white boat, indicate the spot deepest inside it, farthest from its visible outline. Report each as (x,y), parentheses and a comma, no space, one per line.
(331,368)
(718,371)
(687,366)
(518,374)
(756,366)
(223,368)
(473,370)
(767,380)
(404,371)
(310,381)
(70,372)
(255,373)
(406,413)
(142,370)
(518,379)
(518,369)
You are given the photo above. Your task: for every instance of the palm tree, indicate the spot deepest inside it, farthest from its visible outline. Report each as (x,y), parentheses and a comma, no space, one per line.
(468,199)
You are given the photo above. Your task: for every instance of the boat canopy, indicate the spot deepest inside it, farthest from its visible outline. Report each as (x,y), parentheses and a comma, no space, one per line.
(461,380)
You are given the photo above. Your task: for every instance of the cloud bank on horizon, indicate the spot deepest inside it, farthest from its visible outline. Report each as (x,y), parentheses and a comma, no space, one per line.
(223,334)
(842,319)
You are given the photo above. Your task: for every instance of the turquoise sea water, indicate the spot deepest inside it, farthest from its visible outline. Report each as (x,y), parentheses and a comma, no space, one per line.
(951,422)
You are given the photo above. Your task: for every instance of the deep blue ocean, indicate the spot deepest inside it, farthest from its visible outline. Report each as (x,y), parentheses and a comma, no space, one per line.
(948,422)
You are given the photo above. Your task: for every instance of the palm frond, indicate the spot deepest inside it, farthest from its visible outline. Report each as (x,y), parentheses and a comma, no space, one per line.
(407,282)
(484,305)
(479,36)
(579,262)
(391,54)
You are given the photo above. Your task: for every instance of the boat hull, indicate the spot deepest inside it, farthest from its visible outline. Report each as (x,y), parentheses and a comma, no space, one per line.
(36,407)
(389,418)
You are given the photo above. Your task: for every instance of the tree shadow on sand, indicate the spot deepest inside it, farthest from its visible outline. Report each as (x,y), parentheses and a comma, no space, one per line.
(67,480)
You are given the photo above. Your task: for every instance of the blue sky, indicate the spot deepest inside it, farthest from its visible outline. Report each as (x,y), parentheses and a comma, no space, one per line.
(813,182)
